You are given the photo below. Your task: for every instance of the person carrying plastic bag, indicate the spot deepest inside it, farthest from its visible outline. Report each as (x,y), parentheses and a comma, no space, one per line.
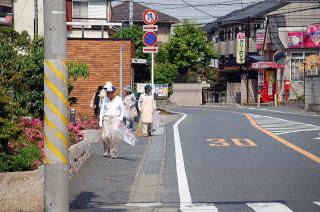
(112,111)
(147,107)
(130,109)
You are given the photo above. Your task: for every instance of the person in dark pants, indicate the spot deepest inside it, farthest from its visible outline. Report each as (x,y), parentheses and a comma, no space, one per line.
(95,101)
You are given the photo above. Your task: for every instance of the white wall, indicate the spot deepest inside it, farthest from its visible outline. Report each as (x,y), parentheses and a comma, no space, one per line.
(24,16)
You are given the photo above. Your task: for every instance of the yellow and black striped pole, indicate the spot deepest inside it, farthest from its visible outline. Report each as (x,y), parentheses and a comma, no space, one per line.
(56,168)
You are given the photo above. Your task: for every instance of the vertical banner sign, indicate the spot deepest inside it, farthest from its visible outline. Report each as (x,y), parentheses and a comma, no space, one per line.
(241,48)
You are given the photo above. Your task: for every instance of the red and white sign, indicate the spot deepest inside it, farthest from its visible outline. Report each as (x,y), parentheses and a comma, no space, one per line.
(150,28)
(153,49)
(264,65)
(150,16)
(308,39)
(150,39)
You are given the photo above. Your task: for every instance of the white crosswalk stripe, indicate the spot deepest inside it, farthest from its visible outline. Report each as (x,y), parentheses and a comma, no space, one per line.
(281,126)
(318,203)
(269,207)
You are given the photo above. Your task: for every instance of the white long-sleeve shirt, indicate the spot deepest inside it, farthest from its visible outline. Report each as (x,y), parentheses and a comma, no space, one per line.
(111,108)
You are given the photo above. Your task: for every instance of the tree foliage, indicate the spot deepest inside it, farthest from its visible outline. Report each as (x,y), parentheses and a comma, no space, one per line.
(136,33)
(188,49)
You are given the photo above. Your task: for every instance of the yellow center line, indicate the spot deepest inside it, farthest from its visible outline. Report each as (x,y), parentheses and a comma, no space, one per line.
(283,141)
(277,138)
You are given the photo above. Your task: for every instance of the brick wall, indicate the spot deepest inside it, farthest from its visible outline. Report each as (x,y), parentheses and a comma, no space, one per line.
(103,59)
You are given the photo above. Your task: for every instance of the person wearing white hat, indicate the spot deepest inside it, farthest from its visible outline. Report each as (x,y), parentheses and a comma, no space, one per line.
(147,107)
(112,110)
(129,101)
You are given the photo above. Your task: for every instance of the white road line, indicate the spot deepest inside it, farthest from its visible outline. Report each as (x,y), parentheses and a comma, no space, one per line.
(318,203)
(184,193)
(269,207)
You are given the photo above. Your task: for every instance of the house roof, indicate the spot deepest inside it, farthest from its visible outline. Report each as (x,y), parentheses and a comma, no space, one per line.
(121,13)
(257,10)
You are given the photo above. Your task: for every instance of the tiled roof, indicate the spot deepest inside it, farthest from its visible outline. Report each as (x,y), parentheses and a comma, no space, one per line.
(121,13)
(256,10)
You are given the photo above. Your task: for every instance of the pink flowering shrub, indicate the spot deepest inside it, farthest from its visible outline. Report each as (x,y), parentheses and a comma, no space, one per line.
(34,135)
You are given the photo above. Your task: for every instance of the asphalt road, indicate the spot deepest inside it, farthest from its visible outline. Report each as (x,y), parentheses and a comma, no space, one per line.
(230,165)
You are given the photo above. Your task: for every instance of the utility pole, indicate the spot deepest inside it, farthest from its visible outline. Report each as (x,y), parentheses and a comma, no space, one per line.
(36,22)
(121,71)
(131,12)
(56,167)
(247,56)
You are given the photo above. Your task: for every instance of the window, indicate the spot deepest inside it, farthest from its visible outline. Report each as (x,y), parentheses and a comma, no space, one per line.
(297,58)
(80,10)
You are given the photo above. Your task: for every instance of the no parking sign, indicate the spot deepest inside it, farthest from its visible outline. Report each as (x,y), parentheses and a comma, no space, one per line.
(150,39)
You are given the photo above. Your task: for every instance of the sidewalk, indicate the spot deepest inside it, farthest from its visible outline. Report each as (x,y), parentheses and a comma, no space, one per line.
(105,184)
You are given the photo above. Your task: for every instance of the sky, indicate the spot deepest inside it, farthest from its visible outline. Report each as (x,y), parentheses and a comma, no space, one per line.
(205,11)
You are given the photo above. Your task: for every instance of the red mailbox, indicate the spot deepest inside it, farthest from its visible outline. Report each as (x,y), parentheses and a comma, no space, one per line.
(287,84)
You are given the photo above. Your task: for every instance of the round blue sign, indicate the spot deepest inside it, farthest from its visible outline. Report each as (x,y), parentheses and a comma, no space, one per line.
(150,39)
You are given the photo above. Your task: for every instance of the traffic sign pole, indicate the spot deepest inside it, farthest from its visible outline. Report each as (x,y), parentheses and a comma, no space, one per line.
(152,72)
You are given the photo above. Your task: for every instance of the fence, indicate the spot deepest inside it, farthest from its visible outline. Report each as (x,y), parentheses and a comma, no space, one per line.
(215,94)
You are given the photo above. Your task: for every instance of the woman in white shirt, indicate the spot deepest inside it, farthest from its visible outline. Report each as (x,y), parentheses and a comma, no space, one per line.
(112,110)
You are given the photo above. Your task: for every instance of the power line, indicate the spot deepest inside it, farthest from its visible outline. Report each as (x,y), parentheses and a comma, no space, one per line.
(198,9)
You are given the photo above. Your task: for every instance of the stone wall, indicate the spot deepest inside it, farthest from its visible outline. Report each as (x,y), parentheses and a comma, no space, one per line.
(23,191)
(237,92)
(312,97)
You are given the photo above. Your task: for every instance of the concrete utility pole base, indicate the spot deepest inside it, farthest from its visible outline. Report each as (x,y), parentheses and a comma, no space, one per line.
(56,173)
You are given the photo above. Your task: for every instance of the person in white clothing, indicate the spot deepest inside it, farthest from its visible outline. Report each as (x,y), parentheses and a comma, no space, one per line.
(147,107)
(112,110)
(129,101)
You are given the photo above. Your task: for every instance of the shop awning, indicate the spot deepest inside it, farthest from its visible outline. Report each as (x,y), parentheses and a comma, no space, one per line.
(264,65)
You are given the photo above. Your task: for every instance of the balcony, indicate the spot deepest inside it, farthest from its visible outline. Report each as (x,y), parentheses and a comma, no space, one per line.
(6,19)
(90,28)
(229,47)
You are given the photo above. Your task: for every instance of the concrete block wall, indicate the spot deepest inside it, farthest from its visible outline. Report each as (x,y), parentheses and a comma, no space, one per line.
(234,88)
(312,98)
(187,93)
(103,59)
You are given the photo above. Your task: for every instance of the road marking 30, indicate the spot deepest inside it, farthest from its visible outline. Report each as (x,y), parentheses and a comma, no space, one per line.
(244,142)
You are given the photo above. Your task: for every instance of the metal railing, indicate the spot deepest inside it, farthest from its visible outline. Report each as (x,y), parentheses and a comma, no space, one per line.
(91,28)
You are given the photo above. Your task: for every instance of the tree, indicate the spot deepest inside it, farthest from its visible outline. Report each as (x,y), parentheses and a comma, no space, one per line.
(188,49)
(22,69)
(136,33)
(165,73)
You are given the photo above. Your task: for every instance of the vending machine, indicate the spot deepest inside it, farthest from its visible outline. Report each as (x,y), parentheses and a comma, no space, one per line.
(266,85)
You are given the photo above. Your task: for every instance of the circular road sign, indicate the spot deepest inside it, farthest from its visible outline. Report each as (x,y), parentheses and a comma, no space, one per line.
(150,39)
(150,16)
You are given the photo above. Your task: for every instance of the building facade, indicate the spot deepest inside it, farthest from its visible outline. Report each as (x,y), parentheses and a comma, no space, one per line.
(261,22)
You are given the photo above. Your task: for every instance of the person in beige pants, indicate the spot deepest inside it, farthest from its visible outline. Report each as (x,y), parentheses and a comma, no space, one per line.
(112,110)
(147,107)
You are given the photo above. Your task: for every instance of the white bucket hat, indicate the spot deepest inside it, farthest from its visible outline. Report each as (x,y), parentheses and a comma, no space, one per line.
(108,84)
(128,88)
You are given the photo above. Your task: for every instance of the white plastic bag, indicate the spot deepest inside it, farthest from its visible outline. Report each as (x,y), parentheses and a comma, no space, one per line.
(128,113)
(120,131)
(156,120)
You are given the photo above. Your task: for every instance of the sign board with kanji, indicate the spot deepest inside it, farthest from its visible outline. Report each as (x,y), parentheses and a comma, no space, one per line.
(241,48)
(150,16)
